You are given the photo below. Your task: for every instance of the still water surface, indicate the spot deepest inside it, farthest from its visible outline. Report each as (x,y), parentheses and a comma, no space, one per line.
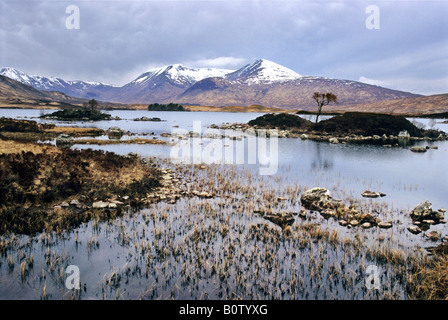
(406,177)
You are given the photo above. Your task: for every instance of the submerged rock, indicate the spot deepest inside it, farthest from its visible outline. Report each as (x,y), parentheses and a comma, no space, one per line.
(148,119)
(418,149)
(367,217)
(385,224)
(433,236)
(372,194)
(414,229)
(282,219)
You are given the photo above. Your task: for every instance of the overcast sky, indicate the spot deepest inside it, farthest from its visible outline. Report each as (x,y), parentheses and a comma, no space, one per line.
(118,40)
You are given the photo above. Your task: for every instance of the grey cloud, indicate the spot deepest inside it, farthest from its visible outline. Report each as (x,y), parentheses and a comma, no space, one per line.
(118,40)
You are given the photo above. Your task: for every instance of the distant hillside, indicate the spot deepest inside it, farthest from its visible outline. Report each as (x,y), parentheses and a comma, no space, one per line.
(17,94)
(418,105)
(292,94)
(253,108)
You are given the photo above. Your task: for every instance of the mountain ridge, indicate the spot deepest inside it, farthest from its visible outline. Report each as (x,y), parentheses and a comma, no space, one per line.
(261,82)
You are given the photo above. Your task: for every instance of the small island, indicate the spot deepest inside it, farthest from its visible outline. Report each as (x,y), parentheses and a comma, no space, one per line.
(88,112)
(166,107)
(348,127)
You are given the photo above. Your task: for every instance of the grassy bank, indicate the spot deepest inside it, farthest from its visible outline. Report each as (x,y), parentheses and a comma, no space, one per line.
(36,178)
(32,183)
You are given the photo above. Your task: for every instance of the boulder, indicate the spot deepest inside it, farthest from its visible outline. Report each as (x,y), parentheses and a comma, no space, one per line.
(317,199)
(404,135)
(114,133)
(64,141)
(333,140)
(100,205)
(424,212)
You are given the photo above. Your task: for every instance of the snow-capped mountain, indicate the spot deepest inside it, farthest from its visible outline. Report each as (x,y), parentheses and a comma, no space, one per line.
(179,75)
(263,71)
(163,84)
(76,88)
(262,82)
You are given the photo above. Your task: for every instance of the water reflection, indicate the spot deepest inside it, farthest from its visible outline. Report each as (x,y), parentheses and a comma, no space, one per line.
(321,160)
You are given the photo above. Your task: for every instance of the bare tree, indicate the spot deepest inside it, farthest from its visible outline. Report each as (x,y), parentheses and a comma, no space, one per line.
(323,99)
(93,104)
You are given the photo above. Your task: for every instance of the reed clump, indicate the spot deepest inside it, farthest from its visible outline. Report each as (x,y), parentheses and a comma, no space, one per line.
(429,280)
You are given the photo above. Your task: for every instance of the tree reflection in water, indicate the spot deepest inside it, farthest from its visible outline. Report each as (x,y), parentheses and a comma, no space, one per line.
(321,160)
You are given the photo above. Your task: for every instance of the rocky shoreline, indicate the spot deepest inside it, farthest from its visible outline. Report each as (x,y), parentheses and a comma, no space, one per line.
(403,138)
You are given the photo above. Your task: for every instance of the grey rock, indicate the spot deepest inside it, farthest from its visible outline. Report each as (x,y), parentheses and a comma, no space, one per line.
(333,140)
(316,199)
(423,210)
(64,141)
(404,135)
(100,204)
(114,133)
